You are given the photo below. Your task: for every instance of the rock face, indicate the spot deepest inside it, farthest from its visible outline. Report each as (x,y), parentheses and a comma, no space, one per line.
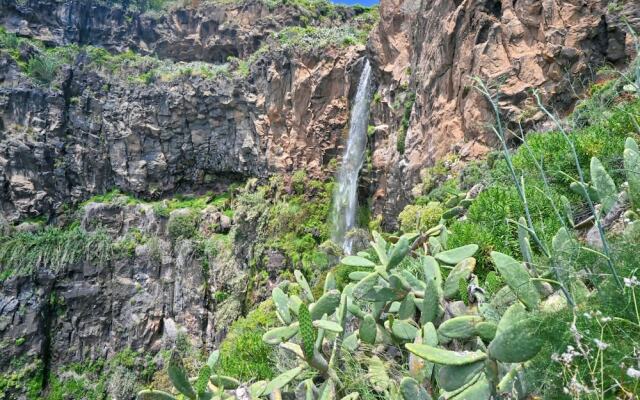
(203,32)
(435,48)
(101,132)
(93,130)
(141,297)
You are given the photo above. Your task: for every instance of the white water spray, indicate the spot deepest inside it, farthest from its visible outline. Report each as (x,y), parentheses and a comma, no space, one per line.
(345,195)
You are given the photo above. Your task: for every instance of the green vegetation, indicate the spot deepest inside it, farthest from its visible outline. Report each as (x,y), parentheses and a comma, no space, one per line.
(314,38)
(243,353)
(52,248)
(183,225)
(24,375)
(490,296)
(119,377)
(409,101)
(294,224)
(45,65)
(417,218)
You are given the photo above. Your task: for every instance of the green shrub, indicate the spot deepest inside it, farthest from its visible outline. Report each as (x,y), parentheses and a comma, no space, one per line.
(43,68)
(415,218)
(183,224)
(606,321)
(53,248)
(298,180)
(243,353)
(409,101)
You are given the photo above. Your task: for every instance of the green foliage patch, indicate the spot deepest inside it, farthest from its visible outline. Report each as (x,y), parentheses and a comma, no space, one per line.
(52,248)
(243,353)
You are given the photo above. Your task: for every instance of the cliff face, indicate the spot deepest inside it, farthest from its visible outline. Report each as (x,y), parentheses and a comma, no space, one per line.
(176,122)
(433,50)
(140,298)
(204,32)
(101,131)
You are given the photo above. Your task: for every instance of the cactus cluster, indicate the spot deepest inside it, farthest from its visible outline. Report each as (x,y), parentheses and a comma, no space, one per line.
(602,188)
(476,348)
(457,206)
(467,351)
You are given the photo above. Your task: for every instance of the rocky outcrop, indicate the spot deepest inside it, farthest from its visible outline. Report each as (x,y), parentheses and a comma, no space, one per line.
(197,31)
(435,48)
(99,132)
(151,288)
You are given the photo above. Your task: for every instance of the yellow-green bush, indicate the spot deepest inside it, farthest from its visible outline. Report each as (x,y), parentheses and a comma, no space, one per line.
(243,353)
(420,217)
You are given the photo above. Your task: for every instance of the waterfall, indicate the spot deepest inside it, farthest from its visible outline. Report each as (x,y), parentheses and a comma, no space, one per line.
(345,195)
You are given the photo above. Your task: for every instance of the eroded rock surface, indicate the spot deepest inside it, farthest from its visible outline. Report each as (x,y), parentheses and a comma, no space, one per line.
(435,48)
(97,133)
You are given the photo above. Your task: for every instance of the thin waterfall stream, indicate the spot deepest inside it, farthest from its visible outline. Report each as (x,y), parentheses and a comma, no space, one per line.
(345,195)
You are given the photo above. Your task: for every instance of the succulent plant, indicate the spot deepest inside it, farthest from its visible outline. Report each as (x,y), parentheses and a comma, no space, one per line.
(604,185)
(632,168)
(392,303)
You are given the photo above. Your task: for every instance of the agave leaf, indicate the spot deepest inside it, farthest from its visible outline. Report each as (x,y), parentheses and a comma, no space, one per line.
(454,256)
(445,357)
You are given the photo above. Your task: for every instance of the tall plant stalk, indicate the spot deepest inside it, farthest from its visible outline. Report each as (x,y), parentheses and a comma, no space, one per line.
(499,131)
(574,153)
